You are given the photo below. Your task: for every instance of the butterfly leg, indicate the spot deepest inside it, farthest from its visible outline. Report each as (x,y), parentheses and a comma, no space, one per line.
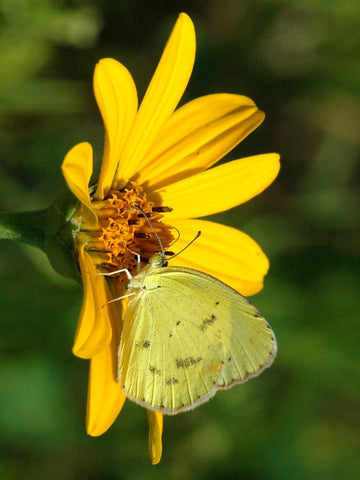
(120,298)
(137,255)
(108,274)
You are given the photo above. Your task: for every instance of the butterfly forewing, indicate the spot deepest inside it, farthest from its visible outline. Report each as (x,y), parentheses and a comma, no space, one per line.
(162,363)
(185,336)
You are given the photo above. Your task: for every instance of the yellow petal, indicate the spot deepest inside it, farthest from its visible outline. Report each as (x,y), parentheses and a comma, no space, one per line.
(77,169)
(105,396)
(161,98)
(223,252)
(219,188)
(116,96)
(197,135)
(155,434)
(93,333)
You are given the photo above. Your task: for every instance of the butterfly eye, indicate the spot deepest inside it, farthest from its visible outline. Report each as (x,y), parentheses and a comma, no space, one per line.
(127,286)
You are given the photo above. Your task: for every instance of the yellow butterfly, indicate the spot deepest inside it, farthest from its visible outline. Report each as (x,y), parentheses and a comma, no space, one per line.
(187,335)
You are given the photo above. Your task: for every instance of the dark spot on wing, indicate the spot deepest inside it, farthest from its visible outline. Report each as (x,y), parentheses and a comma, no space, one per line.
(142,344)
(154,370)
(217,303)
(171,381)
(207,322)
(170,335)
(178,322)
(186,362)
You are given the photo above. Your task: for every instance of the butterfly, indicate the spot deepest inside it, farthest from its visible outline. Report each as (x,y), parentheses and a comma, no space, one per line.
(187,335)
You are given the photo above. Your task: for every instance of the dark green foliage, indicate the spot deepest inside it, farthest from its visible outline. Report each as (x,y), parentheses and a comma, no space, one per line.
(299,61)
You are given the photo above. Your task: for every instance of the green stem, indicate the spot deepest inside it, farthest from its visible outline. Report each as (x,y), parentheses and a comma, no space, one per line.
(26,227)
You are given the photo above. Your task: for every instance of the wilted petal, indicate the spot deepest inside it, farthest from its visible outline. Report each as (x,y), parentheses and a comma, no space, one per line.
(155,434)
(77,169)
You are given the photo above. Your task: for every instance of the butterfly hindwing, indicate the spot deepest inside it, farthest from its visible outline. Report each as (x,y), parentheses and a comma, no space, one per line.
(186,335)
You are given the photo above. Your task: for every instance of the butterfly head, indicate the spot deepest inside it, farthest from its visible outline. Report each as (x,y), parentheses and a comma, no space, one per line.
(158,261)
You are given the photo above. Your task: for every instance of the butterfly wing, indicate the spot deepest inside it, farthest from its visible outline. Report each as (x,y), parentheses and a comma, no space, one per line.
(187,335)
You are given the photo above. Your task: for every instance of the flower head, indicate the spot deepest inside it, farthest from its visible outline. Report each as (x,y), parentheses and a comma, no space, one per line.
(159,159)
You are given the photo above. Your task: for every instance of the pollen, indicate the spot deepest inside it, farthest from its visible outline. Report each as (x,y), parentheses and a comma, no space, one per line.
(123,232)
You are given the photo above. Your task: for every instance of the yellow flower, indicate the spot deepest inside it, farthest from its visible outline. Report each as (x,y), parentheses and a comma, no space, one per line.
(158,158)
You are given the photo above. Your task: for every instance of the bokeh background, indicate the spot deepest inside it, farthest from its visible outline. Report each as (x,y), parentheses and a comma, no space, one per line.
(299,60)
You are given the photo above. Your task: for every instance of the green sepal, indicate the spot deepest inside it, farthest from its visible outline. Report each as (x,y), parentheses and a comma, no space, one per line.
(60,231)
(52,230)
(26,227)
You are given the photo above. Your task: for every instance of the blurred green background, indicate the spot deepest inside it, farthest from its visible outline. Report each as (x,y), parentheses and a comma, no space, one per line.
(300,62)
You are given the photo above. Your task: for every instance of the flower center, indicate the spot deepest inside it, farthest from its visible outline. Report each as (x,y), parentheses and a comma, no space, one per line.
(123,230)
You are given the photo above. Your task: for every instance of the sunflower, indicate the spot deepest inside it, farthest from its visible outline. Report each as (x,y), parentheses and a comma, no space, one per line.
(158,158)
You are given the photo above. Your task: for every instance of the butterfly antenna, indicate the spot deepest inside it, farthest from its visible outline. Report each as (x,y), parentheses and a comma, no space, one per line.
(155,232)
(186,246)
